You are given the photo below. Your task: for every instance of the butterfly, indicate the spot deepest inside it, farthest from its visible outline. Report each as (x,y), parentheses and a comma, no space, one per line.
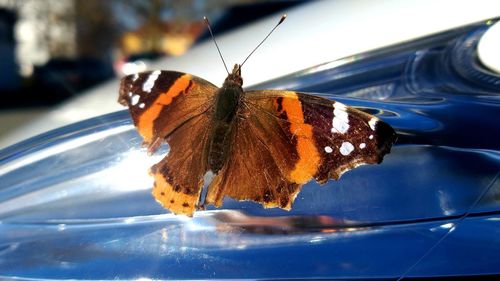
(261,145)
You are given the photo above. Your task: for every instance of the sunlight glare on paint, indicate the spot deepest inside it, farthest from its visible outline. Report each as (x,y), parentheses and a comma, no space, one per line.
(451,226)
(134,164)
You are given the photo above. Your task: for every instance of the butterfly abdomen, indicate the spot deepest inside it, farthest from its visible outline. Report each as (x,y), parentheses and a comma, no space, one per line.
(219,146)
(225,109)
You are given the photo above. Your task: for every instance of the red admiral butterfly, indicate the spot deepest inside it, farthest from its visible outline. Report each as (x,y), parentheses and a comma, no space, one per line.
(260,145)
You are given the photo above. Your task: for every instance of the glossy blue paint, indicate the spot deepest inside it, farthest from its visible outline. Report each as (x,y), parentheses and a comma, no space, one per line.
(75,202)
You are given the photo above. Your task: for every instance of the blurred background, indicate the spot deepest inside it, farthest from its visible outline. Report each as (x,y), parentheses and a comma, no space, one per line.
(60,60)
(51,51)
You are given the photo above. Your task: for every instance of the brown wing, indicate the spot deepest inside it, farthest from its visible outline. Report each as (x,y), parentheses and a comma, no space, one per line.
(332,138)
(284,139)
(179,176)
(175,107)
(161,101)
(250,172)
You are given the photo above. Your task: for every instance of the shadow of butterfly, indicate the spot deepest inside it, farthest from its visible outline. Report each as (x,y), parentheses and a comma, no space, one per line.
(260,145)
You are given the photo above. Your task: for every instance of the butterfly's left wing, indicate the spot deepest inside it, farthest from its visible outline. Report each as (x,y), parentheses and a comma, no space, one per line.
(179,176)
(283,139)
(173,107)
(161,101)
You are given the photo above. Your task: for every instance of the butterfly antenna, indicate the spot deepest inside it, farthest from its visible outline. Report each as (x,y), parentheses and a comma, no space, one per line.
(283,17)
(217,46)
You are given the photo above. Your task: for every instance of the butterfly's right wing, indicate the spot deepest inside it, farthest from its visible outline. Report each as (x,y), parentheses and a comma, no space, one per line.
(161,101)
(331,138)
(283,139)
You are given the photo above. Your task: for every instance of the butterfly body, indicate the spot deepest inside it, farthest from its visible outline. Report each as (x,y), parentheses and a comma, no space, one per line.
(226,105)
(261,145)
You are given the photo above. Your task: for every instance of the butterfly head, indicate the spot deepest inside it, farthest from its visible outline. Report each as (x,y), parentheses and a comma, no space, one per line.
(234,78)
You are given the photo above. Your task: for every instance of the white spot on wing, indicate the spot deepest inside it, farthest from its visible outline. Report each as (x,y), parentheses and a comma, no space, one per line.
(340,122)
(142,105)
(150,82)
(134,99)
(346,148)
(328,149)
(130,94)
(372,123)
(136,76)
(362,145)
(370,137)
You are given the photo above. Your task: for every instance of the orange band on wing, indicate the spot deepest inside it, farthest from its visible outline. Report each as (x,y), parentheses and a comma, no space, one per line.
(146,120)
(177,202)
(309,158)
